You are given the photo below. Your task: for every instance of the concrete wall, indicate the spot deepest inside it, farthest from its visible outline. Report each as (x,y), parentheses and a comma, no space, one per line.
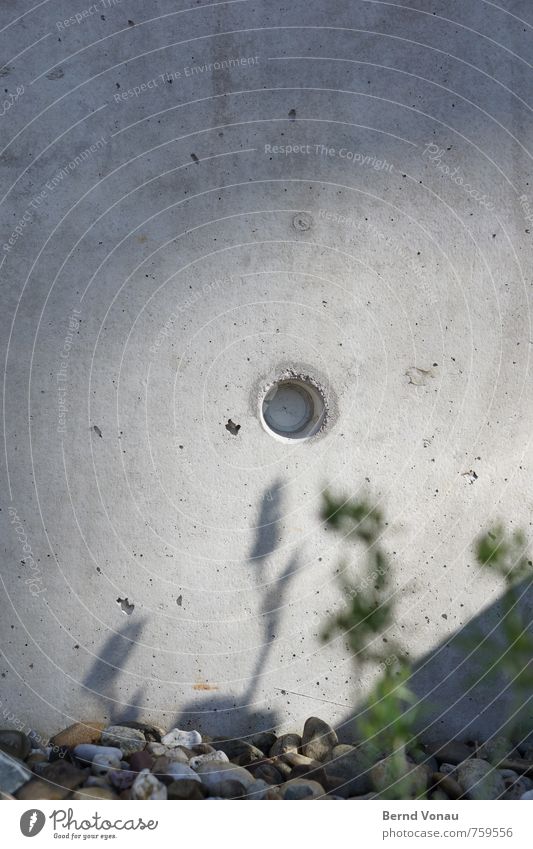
(197,197)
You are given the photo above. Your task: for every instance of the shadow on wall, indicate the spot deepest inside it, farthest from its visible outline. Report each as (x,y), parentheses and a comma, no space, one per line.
(222,714)
(103,677)
(448,681)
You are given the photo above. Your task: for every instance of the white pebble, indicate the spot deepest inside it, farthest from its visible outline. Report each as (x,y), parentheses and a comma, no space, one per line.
(147,786)
(218,757)
(181,738)
(103,763)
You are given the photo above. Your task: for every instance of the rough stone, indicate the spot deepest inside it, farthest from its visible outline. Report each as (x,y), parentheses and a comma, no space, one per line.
(480,780)
(496,750)
(79,732)
(152,734)
(318,738)
(128,740)
(13,773)
(213,757)
(176,737)
(286,743)
(147,786)
(102,764)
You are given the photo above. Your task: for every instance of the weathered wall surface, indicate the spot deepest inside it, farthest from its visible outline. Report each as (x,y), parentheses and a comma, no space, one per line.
(196,197)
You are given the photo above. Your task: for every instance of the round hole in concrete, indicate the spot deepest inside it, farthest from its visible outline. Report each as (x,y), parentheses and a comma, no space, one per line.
(293,409)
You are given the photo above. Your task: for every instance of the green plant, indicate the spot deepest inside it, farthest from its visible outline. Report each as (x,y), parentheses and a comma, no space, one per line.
(387,725)
(507,652)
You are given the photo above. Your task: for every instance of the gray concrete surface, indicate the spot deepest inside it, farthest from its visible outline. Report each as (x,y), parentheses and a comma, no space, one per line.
(196,199)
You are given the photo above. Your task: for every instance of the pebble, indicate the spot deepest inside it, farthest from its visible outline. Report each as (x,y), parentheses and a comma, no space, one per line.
(263,741)
(80,732)
(128,740)
(181,738)
(87,751)
(240,751)
(103,763)
(142,760)
(527,796)
(480,780)
(348,774)
(215,757)
(147,786)
(317,739)
(180,771)
(212,774)
(15,743)
(57,781)
(156,749)
(186,788)
(300,788)
(122,779)
(286,743)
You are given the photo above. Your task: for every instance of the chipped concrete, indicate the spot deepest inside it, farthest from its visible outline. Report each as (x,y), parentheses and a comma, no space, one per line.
(342,187)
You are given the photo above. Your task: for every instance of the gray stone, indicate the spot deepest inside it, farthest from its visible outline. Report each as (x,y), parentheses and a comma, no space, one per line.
(13,773)
(286,743)
(348,774)
(267,772)
(229,788)
(240,749)
(212,774)
(264,741)
(128,740)
(480,780)
(527,796)
(317,739)
(301,788)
